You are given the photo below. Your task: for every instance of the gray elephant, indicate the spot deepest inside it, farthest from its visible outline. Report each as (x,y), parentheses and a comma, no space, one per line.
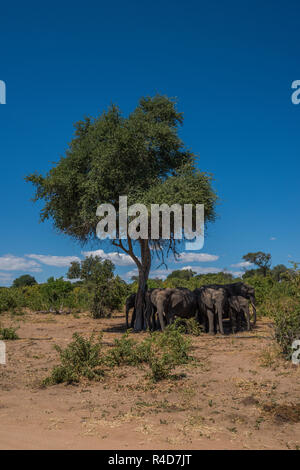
(169,303)
(238,312)
(130,303)
(211,304)
(239,289)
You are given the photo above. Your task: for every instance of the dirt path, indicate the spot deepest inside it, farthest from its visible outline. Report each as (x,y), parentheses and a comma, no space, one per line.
(239,395)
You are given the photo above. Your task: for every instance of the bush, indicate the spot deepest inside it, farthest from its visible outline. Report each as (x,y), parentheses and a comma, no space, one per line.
(10,299)
(108,296)
(189,326)
(55,292)
(8,334)
(80,359)
(124,351)
(287,325)
(162,351)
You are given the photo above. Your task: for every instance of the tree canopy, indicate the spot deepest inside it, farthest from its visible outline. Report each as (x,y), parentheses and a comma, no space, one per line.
(181,274)
(24,280)
(260,259)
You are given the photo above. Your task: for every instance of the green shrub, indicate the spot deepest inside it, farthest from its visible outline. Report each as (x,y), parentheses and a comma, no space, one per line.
(55,292)
(124,351)
(80,359)
(162,351)
(189,326)
(109,295)
(10,299)
(287,324)
(8,333)
(34,298)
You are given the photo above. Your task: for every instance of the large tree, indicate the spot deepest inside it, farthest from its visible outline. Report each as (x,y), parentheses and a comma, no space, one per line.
(140,156)
(260,259)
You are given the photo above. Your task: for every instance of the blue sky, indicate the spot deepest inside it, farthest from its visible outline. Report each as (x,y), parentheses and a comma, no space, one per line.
(231,65)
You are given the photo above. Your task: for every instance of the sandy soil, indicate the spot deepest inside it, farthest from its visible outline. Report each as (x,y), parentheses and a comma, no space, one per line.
(239,395)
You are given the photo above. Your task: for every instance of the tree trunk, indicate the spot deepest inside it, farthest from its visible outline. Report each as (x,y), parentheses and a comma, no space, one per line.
(144,269)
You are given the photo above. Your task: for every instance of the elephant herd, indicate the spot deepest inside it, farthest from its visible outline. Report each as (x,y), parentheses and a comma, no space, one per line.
(209,304)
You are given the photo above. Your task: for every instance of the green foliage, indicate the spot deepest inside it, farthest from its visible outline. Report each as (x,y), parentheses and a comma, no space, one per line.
(279,271)
(107,293)
(266,289)
(260,259)
(162,351)
(55,292)
(181,274)
(189,326)
(287,324)
(167,350)
(8,333)
(93,269)
(34,299)
(10,299)
(25,280)
(108,296)
(81,358)
(280,301)
(140,156)
(190,283)
(124,351)
(152,284)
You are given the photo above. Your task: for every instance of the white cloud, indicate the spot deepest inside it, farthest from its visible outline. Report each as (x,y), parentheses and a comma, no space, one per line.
(160,273)
(273,238)
(236,273)
(6,277)
(206,270)
(242,264)
(120,259)
(58,261)
(196,257)
(128,275)
(15,263)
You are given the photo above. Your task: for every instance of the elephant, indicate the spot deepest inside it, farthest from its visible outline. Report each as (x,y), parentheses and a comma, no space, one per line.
(239,289)
(130,303)
(169,303)
(238,311)
(211,304)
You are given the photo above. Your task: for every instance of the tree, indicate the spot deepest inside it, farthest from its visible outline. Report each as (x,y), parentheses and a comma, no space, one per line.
(260,259)
(93,269)
(186,274)
(55,292)
(98,275)
(140,156)
(278,271)
(25,280)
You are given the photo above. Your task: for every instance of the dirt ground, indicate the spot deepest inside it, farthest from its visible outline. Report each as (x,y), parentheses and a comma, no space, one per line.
(238,395)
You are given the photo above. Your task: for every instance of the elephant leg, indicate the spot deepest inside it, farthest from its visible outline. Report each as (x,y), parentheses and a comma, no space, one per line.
(133,318)
(220,319)
(233,321)
(127,314)
(247,315)
(149,318)
(211,322)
